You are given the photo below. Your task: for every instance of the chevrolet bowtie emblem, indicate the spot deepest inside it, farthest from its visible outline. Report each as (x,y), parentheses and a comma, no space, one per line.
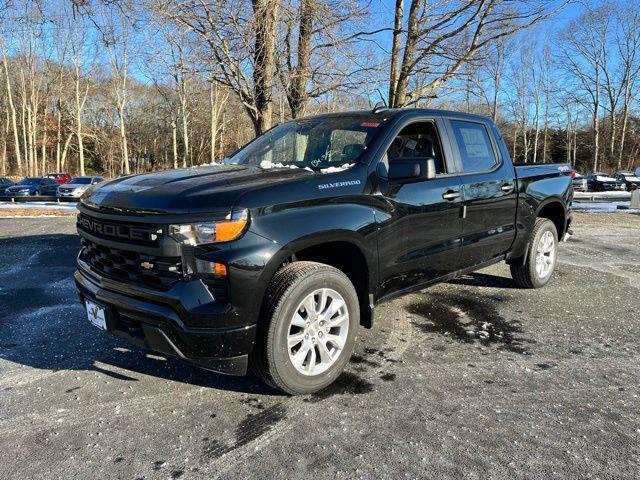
(147,265)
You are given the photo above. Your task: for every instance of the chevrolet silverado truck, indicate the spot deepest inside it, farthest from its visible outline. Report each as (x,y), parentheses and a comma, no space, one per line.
(273,259)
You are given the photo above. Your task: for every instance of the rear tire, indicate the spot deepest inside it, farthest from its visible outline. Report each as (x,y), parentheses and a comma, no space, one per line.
(542,254)
(303,344)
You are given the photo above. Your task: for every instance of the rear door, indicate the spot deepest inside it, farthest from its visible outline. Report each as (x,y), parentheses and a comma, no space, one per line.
(489,196)
(419,233)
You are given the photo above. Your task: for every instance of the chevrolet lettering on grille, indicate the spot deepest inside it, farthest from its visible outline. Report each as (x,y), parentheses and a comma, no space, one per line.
(118,231)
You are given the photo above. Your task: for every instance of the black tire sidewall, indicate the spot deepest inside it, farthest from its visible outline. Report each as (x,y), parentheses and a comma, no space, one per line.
(546,226)
(279,355)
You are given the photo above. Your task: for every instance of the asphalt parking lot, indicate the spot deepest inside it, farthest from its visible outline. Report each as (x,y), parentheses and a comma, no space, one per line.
(469,379)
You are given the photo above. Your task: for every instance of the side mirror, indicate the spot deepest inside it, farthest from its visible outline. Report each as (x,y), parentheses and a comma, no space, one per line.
(414,169)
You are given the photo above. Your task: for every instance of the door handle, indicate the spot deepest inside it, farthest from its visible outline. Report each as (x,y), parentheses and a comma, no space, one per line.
(450,195)
(507,187)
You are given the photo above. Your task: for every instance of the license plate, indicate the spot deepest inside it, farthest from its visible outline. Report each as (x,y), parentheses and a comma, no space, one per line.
(96,314)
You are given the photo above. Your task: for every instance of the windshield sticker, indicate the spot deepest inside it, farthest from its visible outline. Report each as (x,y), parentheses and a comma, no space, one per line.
(346,183)
(370,124)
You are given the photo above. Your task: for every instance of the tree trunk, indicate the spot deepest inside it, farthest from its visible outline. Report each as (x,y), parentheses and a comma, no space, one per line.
(411,41)
(596,119)
(612,138)
(536,136)
(14,121)
(174,142)
(79,135)
(4,165)
(185,135)
(213,97)
(545,132)
(623,133)
(58,133)
(123,139)
(300,75)
(265,14)
(395,50)
(65,150)
(43,152)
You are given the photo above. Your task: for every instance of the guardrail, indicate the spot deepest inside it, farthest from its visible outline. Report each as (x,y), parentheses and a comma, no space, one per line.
(37,199)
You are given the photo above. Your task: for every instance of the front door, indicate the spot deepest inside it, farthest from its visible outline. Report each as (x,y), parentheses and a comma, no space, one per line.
(421,226)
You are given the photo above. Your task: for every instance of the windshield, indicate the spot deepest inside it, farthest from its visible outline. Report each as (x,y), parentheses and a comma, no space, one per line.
(313,143)
(80,181)
(30,181)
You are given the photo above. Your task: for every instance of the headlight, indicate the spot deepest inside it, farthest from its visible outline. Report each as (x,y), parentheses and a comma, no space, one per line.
(225,230)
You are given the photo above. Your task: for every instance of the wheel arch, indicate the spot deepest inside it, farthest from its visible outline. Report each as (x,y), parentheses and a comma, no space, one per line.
(343,250)
(554,210)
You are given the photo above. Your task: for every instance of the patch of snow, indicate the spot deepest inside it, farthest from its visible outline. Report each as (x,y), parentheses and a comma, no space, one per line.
(266,165)
(602,178)
(602,207)
(37,206)
(615,194)
(337,169)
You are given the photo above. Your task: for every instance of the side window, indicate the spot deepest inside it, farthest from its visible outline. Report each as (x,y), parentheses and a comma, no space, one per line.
(474,144)
(417,140)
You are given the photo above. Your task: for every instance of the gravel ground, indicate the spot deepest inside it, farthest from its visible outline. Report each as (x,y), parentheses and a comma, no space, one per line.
(473,379)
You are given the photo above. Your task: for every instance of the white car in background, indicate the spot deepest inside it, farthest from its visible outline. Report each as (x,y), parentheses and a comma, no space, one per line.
(77,186)
(579,182)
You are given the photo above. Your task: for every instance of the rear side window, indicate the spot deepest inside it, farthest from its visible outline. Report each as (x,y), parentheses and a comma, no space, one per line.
(474,144)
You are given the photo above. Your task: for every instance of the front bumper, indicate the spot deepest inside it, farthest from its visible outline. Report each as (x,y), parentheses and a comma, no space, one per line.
(72,194)
(155,320)
(18,194)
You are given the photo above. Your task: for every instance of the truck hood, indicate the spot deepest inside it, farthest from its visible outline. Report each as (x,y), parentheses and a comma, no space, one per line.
(191,190)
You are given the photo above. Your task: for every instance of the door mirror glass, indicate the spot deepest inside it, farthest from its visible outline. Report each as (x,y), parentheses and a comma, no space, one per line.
(412,169)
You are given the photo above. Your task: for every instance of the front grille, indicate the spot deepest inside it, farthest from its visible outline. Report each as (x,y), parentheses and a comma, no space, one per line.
(128,266)
(127,232)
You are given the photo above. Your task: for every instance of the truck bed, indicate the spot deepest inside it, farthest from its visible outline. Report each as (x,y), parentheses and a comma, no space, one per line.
(529,170)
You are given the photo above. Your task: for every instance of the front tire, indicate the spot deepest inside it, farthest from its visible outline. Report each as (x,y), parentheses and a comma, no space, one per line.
(309,328)
(542,254)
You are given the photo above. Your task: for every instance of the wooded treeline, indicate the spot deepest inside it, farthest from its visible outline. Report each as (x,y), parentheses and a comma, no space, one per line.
(120,86)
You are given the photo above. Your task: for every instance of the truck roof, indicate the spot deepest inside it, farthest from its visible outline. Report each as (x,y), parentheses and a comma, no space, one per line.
(394,112)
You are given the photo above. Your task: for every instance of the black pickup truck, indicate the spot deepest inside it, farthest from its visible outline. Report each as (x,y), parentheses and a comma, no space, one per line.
(274,259)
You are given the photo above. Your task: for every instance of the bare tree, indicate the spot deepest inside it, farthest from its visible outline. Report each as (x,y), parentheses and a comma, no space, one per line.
(627,43)
(443,36)
(12,109)
(324,58)
(583,57)
(241,47)
(77,35)
(217,101)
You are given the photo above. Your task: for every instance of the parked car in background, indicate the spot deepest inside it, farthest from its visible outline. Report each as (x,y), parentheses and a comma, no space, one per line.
(629,179)
(60,178)
(579,182)
(77,186)
(600,182)
(31,186)
(49,190)
(4,184)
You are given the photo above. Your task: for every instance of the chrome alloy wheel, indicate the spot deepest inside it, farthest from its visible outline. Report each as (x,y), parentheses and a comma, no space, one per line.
(545,255)
(318,331)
